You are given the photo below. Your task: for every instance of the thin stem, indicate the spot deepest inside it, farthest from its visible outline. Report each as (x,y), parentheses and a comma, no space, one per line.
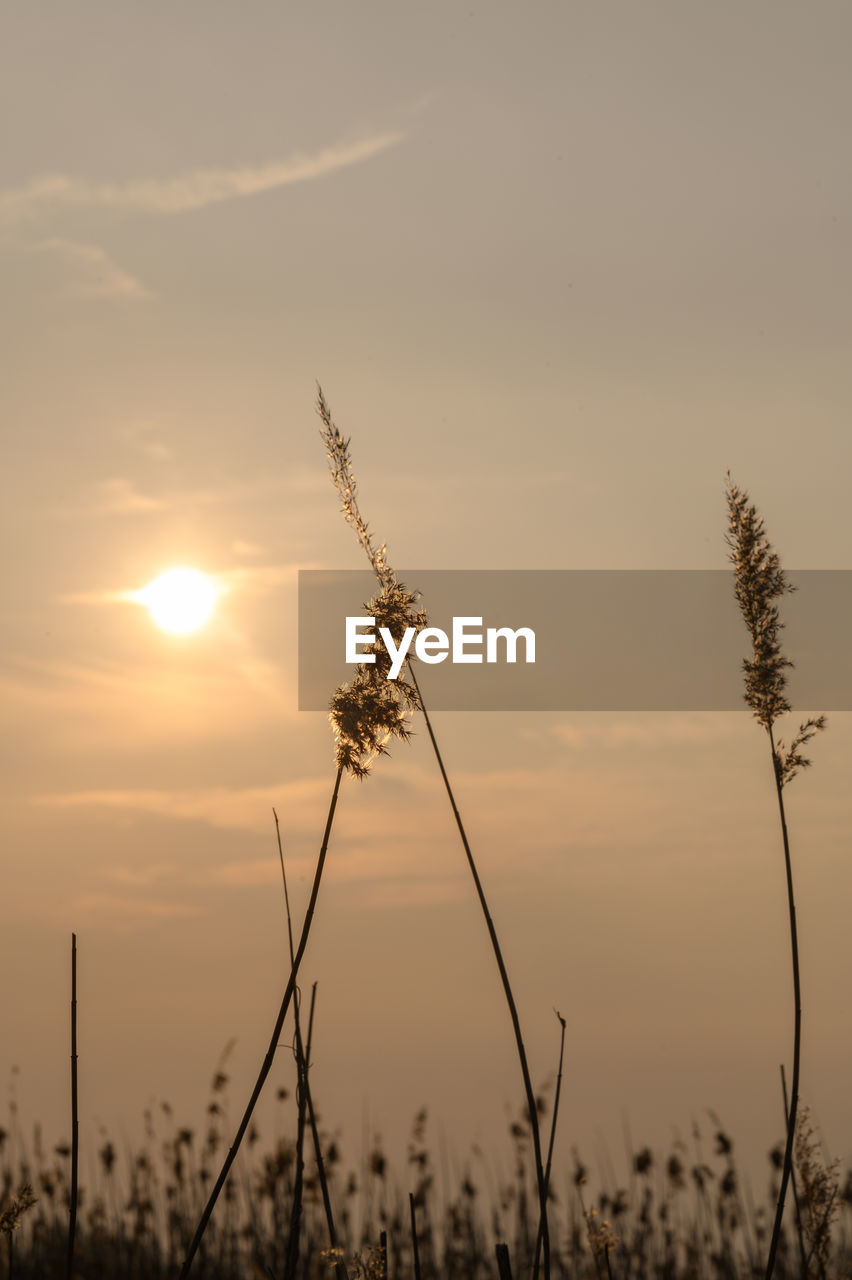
(340,1265)
(793,1179)
(510,1000)
(303,1053)
(797,1034)
(273,1043)
(552,1139)
(343,479)
(504,1266)
(414,1245)
(75,1126)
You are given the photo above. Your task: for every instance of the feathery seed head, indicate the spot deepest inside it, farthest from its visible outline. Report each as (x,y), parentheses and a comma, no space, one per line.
(369,710)
(343,479)
(759,581)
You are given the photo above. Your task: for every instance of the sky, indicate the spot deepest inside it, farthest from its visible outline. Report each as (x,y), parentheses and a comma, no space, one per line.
(558,268)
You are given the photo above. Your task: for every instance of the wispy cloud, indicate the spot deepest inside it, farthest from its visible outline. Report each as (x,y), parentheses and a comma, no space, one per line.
(639,730)
(246,809)
(133,706)
(244,548)
(193,190)
(254,580)
(93,274)
(121,497)
(119,909)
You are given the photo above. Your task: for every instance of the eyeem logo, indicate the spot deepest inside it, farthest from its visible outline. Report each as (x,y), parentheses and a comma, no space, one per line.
(432,645)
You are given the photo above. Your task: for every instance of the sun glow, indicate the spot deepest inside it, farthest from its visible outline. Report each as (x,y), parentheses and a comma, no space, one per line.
(180,600)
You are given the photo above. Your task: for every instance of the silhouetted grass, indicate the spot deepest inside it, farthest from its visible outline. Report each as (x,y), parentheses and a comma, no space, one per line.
(675,1217)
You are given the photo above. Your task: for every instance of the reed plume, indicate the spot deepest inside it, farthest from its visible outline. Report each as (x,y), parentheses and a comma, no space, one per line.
(407,700)
(759,581)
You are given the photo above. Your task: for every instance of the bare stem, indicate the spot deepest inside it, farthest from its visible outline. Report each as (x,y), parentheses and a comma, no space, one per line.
(75,1126)
(303,1056)
(793,1177)
(414,1245)
(273,1043)
(797,1033)
(510,1000)
(552,1139)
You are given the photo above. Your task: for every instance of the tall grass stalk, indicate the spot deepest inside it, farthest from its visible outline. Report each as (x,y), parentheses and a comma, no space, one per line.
(796,1204)
(75,1124)
(266,1065)
(337,448)
(302,1060)
(759,581)
(549,1164)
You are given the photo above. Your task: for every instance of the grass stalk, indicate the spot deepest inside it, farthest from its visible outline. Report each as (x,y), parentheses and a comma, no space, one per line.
(303,1053)
(552,1139)
(75,1124)
(797,1020)
(303,1057)
(504,1266)
(796,1204)
(266,1065)
(337,448)
(758,582)
(415,1248)
(532,1107)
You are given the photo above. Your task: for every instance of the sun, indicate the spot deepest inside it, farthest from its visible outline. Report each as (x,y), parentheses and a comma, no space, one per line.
(180,600)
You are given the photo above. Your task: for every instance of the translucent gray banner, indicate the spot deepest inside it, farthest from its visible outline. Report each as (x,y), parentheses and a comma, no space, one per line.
(604,640)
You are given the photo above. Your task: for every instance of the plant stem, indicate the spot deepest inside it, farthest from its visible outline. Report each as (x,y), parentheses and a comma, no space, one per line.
(510,1000)
(273,1043)
(552,1139)
(797,1034)
(340,1265)
(414,1246)
(75,1126)
(302,1056)
(793,1180)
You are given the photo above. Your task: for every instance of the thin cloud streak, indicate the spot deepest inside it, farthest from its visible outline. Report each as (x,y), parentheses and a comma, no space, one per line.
(93,272)
(194,190)
(119,496)
(246,809)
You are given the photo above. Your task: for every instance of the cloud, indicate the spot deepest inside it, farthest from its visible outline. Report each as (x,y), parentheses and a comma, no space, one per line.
(644,730)
(143,438)
(194,190)
(246,809)
(93,272)
(121,497)
(117,495)
(119,909)
(227,693)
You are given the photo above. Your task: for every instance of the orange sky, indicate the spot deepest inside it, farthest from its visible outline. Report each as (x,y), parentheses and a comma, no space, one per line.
(557,270)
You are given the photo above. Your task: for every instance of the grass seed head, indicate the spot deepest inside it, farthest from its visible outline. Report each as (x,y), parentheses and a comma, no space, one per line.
(759,581)
(343,479)
(369,710)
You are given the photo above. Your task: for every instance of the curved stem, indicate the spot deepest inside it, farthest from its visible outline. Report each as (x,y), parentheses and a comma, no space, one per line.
(548,1165)
(273,1043)
(510,1000)
(797,1034)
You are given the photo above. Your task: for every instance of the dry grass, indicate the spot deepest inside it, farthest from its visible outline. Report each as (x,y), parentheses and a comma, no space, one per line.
(677,1215)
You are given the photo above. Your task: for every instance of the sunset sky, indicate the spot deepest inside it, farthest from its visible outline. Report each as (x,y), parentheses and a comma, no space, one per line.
(557,267)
